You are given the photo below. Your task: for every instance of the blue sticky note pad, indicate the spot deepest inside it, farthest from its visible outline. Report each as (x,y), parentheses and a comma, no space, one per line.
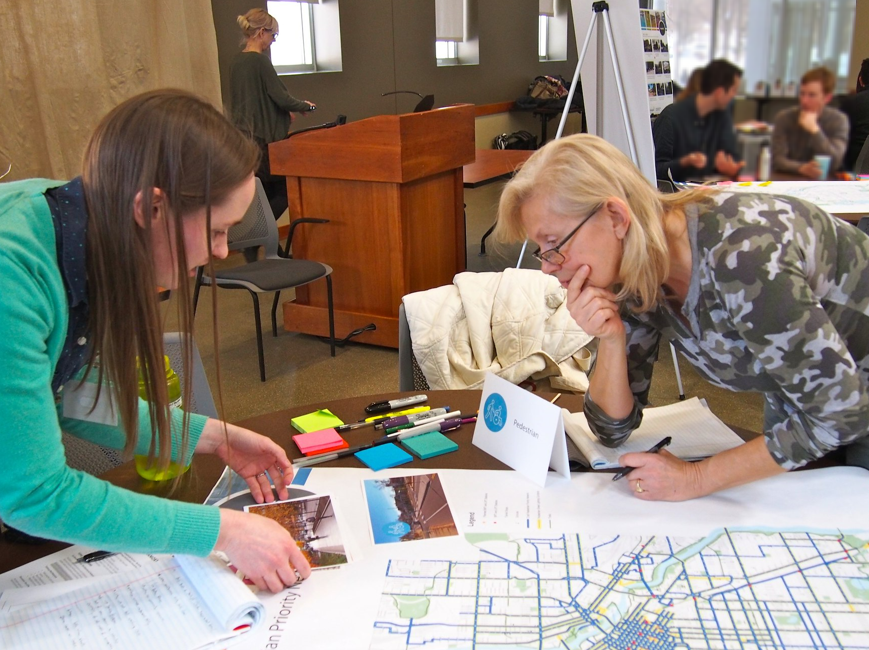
(383,456)
(430,444)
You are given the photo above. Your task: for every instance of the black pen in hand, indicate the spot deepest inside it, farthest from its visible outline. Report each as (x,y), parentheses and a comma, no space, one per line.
(624,471)
(96,556)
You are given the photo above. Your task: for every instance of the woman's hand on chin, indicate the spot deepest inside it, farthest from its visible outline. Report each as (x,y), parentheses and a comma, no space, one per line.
(594,309)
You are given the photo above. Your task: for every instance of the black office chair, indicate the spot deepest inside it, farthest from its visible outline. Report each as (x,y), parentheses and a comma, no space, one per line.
(665,186)
(274,273)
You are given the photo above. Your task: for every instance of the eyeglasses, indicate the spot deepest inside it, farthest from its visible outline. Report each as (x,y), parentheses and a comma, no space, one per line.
(554,255)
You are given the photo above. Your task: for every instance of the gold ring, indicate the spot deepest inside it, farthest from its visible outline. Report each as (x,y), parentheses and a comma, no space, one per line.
(639,487)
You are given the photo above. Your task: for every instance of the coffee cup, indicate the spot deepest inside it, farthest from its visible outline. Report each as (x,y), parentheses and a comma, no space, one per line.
(824,163)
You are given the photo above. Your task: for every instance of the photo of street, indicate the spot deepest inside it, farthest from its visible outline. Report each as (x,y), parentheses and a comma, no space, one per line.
(312,523)
(408,508)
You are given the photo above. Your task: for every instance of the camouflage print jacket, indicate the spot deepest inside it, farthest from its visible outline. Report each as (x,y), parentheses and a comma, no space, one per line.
(779,304)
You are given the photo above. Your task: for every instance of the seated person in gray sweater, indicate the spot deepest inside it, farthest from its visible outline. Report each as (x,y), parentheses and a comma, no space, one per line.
(694,137)
(810,129)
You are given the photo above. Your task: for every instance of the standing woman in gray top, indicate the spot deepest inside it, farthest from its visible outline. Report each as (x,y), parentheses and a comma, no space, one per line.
(760,293)
(259,102)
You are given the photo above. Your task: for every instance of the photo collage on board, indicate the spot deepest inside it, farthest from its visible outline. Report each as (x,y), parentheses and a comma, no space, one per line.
(656,58)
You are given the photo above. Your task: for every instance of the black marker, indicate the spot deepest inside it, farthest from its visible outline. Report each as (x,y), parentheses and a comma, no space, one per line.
(96,556)
(391,405)
(624,471)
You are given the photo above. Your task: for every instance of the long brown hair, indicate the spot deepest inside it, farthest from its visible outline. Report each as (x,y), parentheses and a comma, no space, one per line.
(179,143)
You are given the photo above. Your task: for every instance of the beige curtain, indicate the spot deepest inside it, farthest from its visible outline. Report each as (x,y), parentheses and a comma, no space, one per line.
(63,65)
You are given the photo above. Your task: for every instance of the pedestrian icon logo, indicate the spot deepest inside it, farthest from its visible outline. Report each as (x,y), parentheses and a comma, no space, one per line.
(495,412)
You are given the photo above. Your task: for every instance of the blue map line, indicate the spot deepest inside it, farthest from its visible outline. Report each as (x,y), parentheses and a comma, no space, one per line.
(539,612)
(775,628)
(812,591)
(594,550)
(476,606)
(697,610)
(581,563)
(637,557)
(813,632)
(724,601)
(746,612)
(847,558)
(558,547)
(806,583)
(516,562)
(748,580)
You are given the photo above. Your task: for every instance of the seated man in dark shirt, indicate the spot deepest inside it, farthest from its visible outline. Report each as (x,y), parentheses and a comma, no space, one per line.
(694,137)
(856,107)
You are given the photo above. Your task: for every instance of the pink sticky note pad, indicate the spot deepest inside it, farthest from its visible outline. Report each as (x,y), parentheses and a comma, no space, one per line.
(317,442)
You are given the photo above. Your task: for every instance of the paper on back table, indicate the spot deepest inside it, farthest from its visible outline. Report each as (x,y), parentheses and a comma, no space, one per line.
(695,431)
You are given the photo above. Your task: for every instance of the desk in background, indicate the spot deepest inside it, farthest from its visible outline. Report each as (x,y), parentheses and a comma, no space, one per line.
(492,165)
(848,200)
(545,114)
(489,166)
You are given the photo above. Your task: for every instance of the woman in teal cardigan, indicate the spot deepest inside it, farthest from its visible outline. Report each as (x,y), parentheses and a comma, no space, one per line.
(165,175)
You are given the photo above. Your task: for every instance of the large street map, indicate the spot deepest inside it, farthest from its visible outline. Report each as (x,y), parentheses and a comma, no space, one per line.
(732,589)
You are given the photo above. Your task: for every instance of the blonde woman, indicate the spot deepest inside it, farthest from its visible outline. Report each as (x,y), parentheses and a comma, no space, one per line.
(260,104)
(165,176)
(760,293)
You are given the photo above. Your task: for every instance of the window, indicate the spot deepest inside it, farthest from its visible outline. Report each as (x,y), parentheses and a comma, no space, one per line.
(543,37)
(310,36)
(455,32)
(552,30)
(772,40)
(447,52)
(293,50)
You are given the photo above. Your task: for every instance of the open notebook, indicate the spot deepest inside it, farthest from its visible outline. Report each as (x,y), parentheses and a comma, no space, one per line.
(696,433)
(160,602)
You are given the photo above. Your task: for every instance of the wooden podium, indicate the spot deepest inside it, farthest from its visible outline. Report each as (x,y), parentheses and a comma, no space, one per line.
(391,187)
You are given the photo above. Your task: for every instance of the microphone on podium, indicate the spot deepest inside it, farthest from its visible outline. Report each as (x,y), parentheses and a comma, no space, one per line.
(425,103)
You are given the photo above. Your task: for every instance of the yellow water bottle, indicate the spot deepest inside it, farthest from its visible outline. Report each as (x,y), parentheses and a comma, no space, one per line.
(146,467)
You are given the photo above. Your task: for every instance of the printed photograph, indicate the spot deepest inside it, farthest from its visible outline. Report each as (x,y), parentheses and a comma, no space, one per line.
(644,15)
(408,508)
(661,90)
(668,90)
(664,46)
(652,90)
(650,67)
(659,68)
(656,45)
(312,523)
(665,65)
(653,20)
(647,45)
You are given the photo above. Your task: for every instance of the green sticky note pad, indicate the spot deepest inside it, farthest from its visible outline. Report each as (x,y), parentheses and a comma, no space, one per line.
(429,444)
(316,421)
